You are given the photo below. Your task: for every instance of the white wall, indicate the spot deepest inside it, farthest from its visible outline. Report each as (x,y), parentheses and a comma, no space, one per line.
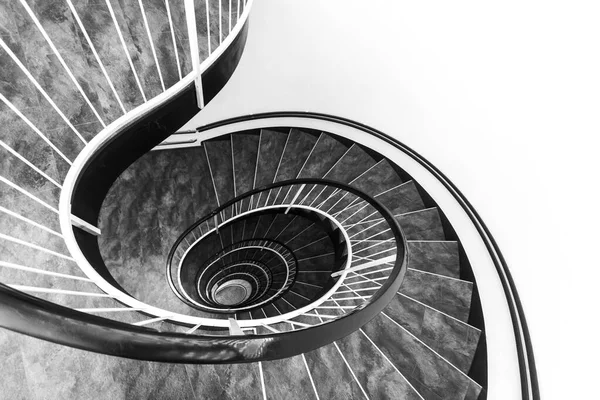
(503,97)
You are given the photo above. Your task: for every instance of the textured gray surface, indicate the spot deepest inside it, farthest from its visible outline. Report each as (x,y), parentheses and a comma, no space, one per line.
(437,257)
(162,194)
(448,295)
(422,225)
(354,162)
(375,373)
(431,375)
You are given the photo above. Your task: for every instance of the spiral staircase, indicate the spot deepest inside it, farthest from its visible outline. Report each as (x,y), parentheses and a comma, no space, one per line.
(283,255)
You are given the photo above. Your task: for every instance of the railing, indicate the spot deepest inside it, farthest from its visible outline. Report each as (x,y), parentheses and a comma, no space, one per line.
(236,270)
(524,348)
(286,266)
(363,289)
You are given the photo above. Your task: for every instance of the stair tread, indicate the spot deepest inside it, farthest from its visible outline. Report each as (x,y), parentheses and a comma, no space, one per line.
(270,149)
(297,149)
(351,165)
(422,225)
(73,373)
(378,178)
(232,381)
(326,152)
(245,152)
(377,375)
(402,199)
(130,15)
(327,362)
(428,372)
(454,340)
(218,152)
(449,295)
(278,374)
(441,258)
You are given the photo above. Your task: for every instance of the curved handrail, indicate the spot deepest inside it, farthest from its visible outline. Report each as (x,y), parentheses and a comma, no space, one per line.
(527,368)
(216,212)
(35,317)
(110,152)
(231,249)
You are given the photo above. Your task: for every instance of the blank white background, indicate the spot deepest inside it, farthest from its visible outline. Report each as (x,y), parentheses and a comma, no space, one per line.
(504,97)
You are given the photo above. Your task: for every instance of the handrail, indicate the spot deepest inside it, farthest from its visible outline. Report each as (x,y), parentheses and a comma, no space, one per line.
(269,187)
(211,260)
(45,320)
(527,368)
(211,215)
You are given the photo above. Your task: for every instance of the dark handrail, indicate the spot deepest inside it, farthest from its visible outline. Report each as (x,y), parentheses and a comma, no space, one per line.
(216,211)
(527,367)
(39,318)
(216,256)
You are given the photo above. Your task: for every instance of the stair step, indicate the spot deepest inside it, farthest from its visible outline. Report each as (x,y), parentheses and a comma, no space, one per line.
(287,378)
(297,149)
(376,373)
(233,381)
(432,376)
(453,339)
(323,156)
(378,178)
(440,258)
(245,152)
(130,15)
(354,162)
(218,153)
(333,378)
(62,372)
(271,146)
(448,295)
(422,225)
(402,199)
(306,290)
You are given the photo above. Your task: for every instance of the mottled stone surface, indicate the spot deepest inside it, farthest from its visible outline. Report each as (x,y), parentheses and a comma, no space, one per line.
(33,51)
(376,374)
(177,9)
(22,94)
(453,339)
(297,149)
(422,225)
(147,208)
(402,199)
(43,370)
(245,152)
(431,375)
(14,377)
(448,295)
(221,164)
(130,20)
(60,24)
(236,381)
(326,152)
(437,257)
(378,179)
(287,379)
(271,147)
(201,30)
(354,163)
(103,33)
(326,363)
(160,31)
